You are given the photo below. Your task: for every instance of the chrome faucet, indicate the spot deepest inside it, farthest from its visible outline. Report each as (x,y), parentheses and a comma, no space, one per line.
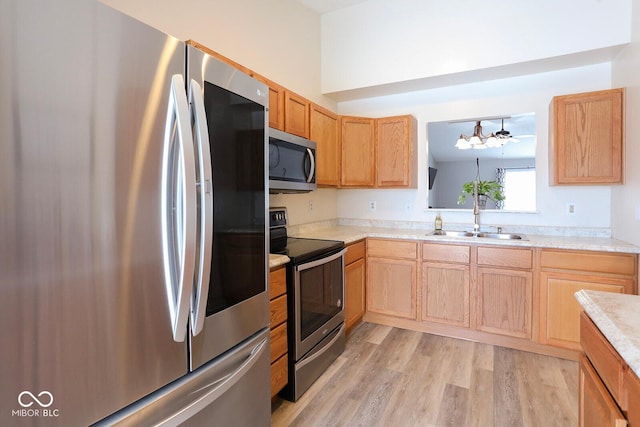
(476,209)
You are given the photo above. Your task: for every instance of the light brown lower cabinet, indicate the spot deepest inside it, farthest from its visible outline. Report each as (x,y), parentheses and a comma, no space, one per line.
(609,391)
(597,407)
(518,297)
(278,325)
(504,293)
(504,302)
(445,284)
(354,286)
(392,275)
(563,273)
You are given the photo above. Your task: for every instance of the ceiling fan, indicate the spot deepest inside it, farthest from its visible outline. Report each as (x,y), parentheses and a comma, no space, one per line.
(505,135)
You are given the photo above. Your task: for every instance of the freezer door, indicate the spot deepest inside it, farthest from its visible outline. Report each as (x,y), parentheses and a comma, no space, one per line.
(85,325)
(224,392)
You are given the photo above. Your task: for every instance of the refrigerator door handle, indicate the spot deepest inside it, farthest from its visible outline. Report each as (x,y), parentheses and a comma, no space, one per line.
(205,202)
(217,387)
(178,210)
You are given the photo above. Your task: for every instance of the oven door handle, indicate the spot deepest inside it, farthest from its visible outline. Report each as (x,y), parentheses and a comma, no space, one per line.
(321,261)
(320,351)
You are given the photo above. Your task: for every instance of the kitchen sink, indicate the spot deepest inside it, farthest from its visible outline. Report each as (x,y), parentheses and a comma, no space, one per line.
(481,235)
(453,233)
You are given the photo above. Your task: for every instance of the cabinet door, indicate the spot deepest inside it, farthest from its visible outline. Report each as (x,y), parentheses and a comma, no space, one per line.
(325,131)
(358,155)
(296,114)
(276,102)
(391,287)
(596,407)
(587,138)
(504,302)
(276,107)
(354,303)
(560,311)
(445,293)
(633,390)
(396,156)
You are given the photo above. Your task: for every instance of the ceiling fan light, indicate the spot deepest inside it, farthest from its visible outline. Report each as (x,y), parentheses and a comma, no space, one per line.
(475,140)
(462,144)
(493,142)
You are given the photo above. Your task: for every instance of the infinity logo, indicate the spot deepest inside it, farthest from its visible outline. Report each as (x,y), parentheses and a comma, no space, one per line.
(38,401)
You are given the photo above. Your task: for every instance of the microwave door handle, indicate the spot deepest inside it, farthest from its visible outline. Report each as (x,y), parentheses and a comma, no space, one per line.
(178,208)
(205,203)
(312,169)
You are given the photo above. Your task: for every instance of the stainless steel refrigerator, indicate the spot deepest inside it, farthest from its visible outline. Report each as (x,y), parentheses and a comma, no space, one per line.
(133,249)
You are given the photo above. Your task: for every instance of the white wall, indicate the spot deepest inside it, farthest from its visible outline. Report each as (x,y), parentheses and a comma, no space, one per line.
(625,204)
(531,93)
(381,42)
(278,39)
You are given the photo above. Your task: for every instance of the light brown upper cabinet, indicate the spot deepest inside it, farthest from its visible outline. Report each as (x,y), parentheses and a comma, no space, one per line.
(276,105)
(586,135)
(396,152)
(357,135)
(296,114)
(325,131)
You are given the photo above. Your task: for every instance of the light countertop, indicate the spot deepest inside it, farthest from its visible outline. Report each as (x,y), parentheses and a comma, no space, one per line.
(618,318)
(350,234)
(276,260)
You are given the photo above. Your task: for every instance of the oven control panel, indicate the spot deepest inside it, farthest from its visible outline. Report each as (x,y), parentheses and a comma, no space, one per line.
(277,217)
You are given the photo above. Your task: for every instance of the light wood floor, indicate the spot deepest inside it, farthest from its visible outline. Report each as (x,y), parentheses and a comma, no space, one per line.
(394,377)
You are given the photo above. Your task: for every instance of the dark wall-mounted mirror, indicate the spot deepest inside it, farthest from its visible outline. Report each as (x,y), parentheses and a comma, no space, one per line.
(508,159)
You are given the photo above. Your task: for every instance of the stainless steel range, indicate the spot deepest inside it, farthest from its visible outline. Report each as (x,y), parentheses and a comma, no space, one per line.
(315,290)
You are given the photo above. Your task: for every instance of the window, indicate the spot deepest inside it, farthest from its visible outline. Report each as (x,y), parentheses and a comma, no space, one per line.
(520,189)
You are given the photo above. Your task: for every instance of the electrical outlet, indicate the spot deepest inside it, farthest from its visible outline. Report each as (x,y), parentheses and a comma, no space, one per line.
(571,209)
(372,206)
(310,205)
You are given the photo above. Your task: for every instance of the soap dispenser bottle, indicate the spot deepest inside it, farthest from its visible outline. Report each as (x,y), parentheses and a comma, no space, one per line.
(438,222)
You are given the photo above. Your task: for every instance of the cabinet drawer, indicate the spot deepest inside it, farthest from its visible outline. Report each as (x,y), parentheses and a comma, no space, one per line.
(445,253)
(355,251)
(604,359)
(278,341)
(589,262)
(279,375)
(392,249)
(277,282)
(505,257)
(278,308)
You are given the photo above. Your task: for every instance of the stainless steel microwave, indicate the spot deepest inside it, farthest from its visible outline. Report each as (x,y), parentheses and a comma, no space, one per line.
(292,163)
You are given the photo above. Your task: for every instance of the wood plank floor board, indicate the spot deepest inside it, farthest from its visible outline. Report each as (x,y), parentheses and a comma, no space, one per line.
(507,405)
(481,401)
(393,377)
(454,406)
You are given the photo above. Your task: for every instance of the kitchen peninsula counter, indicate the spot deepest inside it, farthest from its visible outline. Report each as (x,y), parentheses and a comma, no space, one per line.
(617,316)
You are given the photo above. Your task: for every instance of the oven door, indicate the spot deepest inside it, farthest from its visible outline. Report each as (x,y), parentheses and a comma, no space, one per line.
(318,300)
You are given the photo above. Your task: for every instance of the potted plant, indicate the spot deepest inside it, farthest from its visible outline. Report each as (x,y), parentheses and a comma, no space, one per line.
(486,189)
